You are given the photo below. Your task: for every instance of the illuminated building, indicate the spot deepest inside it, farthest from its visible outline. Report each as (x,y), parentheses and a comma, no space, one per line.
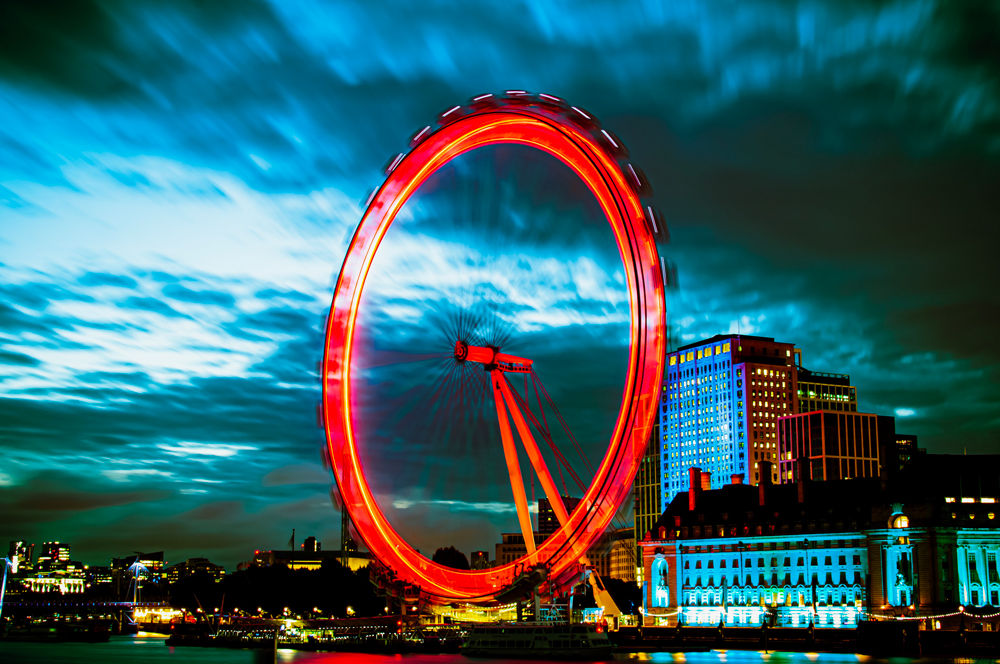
(97,575)
(622,563)
(720,402)
(825,391)
(21,555)
(193,566)
(838,445)
(53,558)
(919,542)
(547,522)
(648,487)
(906,448)
(310,556)
(153,562)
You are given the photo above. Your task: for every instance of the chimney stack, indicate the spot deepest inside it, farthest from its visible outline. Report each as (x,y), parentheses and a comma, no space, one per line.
(694,475)
(737,478)
(765,481)
(706,480)
(802,476)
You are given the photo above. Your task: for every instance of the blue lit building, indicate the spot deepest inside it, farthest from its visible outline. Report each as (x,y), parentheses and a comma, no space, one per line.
(922,541)
(719,407)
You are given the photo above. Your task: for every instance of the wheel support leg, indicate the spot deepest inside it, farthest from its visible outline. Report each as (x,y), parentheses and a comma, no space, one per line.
(513,468)
(535,455)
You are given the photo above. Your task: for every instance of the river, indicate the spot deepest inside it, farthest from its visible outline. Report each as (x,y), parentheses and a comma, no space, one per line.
(151,650)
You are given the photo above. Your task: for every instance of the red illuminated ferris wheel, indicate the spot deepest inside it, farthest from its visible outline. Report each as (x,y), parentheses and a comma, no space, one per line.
(478,367)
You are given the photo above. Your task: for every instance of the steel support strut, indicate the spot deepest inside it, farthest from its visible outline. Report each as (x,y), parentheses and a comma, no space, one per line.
(534,454)
(510,454)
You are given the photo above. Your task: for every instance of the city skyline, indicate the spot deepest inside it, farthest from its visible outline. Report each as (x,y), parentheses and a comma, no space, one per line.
(178,186)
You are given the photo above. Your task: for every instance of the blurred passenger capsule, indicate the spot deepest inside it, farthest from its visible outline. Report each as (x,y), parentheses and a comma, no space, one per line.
(486,100)
(370,196)
(552,100)
(638,180)
(614,144)
(659,225)
(583,118)
(420,136)
(450,115)
(391,165)
(518,98)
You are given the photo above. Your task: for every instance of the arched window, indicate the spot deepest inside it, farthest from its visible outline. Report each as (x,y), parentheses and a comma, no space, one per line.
(661,590)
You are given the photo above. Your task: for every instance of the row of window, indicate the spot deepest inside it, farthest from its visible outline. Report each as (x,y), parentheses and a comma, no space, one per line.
(800,561)
(778,579)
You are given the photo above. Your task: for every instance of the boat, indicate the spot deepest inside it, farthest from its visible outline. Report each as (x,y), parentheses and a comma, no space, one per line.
(538,640)
(59,632)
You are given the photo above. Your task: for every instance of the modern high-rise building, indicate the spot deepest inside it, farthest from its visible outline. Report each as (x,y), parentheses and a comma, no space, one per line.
(647,488)
(479,560)
(719,408)
(825,391)
(906,448)
(836,445)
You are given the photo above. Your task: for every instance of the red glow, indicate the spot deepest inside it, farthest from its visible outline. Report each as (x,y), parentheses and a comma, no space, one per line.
(572,144)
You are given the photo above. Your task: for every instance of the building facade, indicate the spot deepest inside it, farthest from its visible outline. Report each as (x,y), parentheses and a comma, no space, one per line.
(720,402)
(825,391)
(623,562)
(647,491)
(193,566)
(838,445)
(919,542)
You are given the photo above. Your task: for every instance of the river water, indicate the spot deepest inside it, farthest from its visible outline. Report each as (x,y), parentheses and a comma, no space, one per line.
(151,650)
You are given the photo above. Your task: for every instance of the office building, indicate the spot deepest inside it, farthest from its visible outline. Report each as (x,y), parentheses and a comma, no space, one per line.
(919,542)
(838,445)
(647,488)
(825,391)
(193,566)
(623,563)
(21,556)
(906,448)
(309,556)
(153,564)
(719,407)
(54,557)
(547,521)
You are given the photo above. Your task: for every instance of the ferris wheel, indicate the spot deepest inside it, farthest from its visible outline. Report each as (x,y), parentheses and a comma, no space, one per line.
(500,251)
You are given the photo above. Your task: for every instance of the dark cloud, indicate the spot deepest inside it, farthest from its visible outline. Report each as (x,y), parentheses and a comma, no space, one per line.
(20,359)
(178,292)
(102,279)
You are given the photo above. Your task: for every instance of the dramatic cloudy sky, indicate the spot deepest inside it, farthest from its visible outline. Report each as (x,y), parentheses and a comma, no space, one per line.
(178,181)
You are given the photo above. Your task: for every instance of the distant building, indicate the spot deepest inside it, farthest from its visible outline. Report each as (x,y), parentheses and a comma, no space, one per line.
(838,445)
(906,448)
(921,542)
(21,555)
(720,402)
(825,391)
(193,566)
(547,522)
(153,562)
(479,560)
(647,491)
(310,556)
(55,572)
(54,557)
(622,564)
(96,575)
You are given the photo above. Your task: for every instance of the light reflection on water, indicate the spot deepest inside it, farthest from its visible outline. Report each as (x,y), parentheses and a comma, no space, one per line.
(128,650)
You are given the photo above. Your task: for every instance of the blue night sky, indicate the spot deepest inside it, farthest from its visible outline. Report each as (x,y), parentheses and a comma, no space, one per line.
(179,180)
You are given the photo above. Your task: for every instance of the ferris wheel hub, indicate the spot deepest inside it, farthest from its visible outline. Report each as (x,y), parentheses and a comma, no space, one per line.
(491,357)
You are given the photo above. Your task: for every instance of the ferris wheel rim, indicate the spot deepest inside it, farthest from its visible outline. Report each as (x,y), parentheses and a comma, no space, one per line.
(550,132)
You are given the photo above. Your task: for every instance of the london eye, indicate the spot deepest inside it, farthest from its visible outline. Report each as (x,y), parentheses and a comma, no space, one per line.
(497,332)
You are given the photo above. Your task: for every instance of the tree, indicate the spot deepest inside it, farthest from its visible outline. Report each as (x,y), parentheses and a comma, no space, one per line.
(451,557)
